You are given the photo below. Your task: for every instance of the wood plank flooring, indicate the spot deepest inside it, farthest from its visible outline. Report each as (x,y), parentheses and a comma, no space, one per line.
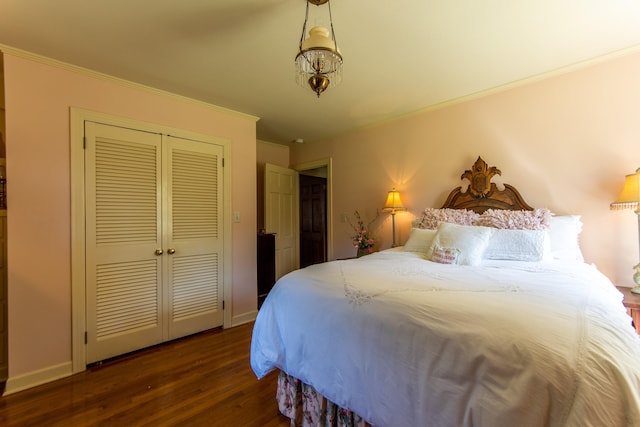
(202,380)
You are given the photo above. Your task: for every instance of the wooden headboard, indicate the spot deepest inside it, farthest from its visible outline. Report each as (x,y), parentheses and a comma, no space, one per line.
(482,194)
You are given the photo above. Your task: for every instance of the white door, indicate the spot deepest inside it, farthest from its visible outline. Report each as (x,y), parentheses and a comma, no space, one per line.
(281,215)
(194,244)
(153,247)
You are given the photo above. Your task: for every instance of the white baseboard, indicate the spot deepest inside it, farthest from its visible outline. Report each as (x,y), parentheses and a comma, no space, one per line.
(244,318)
(39,377)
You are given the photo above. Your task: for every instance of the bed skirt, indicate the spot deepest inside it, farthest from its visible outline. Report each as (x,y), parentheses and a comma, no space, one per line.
(304,406)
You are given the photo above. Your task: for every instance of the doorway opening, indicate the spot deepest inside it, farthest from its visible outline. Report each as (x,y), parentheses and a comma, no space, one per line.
(316,226)
(313,219)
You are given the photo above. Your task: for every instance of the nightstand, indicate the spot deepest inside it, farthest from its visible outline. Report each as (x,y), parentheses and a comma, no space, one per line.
(632,303)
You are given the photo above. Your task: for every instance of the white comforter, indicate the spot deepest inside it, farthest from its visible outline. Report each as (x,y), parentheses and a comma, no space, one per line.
(406,342)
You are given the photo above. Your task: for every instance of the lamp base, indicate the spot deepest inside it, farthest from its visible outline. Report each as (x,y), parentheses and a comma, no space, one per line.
(636,275)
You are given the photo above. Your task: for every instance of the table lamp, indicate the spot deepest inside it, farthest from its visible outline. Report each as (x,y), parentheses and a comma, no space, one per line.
(628,199)
(393,204)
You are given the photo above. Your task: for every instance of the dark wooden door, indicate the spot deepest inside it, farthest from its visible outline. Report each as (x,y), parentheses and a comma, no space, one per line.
(313,220)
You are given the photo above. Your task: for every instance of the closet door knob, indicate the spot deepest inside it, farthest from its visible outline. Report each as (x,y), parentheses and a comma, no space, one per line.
(171,251)
(159,251)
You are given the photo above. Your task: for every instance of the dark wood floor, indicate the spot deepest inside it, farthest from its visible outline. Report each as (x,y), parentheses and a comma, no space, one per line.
(202,380)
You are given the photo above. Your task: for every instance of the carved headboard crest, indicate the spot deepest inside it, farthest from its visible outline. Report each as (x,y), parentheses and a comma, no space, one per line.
(482,194)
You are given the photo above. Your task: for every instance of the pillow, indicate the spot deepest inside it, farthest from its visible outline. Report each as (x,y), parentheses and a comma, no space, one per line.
(537,219)
(445,255)
(517,245)
(471,241)
(432,217)
(419,240)
(563,238)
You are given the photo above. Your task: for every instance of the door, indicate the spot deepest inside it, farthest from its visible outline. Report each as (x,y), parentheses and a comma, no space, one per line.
(193,236)
(153,251)
(313,226)
(281,215)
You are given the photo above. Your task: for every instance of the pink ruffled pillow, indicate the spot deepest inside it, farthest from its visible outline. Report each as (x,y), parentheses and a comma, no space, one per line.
(537,219)
(431,217)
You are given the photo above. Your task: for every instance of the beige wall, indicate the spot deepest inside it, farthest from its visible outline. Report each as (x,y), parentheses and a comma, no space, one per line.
(38,97)
(565,142)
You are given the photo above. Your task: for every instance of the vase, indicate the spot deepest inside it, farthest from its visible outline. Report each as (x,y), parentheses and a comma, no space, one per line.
(362,252)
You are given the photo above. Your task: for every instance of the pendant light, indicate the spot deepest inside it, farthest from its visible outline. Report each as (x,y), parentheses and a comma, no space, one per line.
(318,62)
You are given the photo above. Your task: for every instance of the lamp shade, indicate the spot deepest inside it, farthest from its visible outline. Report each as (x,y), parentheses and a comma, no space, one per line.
(630,195)
(393,202)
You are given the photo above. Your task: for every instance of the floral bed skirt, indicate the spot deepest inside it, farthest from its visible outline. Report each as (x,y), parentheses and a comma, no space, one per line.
(304,406)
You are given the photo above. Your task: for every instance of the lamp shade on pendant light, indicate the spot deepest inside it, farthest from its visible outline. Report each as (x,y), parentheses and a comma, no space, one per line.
(319,61)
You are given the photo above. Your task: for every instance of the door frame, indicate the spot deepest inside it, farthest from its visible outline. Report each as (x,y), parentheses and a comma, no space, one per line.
(328,164)
(78,271)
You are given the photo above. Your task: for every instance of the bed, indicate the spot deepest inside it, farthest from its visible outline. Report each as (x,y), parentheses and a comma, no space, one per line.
(487,316)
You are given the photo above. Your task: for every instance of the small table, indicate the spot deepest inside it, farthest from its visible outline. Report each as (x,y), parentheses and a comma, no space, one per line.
(632,302)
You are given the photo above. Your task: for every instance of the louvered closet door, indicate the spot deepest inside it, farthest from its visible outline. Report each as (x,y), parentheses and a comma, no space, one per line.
(123,231)
(194,239)
(154,239)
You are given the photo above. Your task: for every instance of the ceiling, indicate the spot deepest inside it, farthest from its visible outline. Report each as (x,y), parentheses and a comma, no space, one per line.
(400,56)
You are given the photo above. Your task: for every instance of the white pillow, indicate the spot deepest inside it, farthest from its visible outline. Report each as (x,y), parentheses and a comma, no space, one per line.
(563,238)
(517,245)
(419,240)
(471,241)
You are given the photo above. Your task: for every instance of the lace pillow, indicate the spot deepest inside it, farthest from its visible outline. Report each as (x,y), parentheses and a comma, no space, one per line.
(419,240)
(517,245)
(432,217)
(471,241)
(537,219)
